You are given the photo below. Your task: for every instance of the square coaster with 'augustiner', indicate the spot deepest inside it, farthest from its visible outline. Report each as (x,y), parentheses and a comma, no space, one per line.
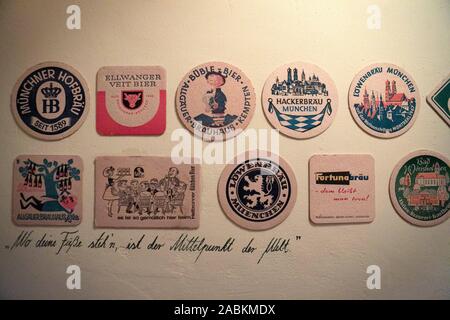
(131,100)
(342,188)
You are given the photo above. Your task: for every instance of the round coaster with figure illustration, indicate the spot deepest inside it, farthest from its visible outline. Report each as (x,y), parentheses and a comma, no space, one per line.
(257,191)
(50,101)
(384,100)
(215,101)
(420,188)
(300,99)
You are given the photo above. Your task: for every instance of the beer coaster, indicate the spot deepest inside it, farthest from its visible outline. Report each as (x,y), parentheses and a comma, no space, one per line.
(384,100)
(439,99)
(146,192)
(259,192)
(300,100)
(420,186)
(47,190)
(215,101)
(341,188)
(50,101)
(131,100)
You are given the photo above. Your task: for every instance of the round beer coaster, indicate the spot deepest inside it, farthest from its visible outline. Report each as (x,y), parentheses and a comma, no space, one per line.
(257,192)
(300,100)
(420,188)
(215,101)
(384,100)
(50,101)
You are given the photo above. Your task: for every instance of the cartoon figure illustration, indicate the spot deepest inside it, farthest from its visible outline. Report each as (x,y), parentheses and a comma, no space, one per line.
(153,190)
(111,193)
(215,99)
(139,172)
(53,182)
(215,102)
(122,193)
(168,185)
(133,196)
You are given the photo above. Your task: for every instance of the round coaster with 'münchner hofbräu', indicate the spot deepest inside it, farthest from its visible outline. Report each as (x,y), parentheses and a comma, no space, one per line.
(419,188)
(257,191)
(50,101)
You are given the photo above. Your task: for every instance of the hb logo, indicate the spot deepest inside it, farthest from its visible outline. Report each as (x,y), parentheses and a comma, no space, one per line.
(50,101)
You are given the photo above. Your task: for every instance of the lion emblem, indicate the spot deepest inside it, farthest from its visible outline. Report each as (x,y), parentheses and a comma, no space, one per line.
(259,189)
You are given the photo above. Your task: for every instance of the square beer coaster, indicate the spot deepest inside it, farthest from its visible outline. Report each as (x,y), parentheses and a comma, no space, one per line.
(146,192)
(439,99)
(47,190)
(131,100)
(341,188)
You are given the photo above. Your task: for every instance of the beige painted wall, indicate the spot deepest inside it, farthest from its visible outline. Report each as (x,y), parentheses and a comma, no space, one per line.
(330,261)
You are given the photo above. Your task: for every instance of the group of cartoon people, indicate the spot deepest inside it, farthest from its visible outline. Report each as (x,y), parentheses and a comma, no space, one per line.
(144,196)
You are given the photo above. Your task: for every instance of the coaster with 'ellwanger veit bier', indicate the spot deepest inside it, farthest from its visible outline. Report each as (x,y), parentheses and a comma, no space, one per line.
(215,101)
(131,100)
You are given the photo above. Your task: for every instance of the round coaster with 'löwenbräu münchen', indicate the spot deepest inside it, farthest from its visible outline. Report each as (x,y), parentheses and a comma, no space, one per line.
(384,100)
(50,101)
(257,191)
(419,188)
(300,99)
(215,101)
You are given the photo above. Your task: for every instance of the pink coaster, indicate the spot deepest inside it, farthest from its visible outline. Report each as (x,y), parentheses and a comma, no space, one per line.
(47,190)
(341,188)
(131,101)
(146,192)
